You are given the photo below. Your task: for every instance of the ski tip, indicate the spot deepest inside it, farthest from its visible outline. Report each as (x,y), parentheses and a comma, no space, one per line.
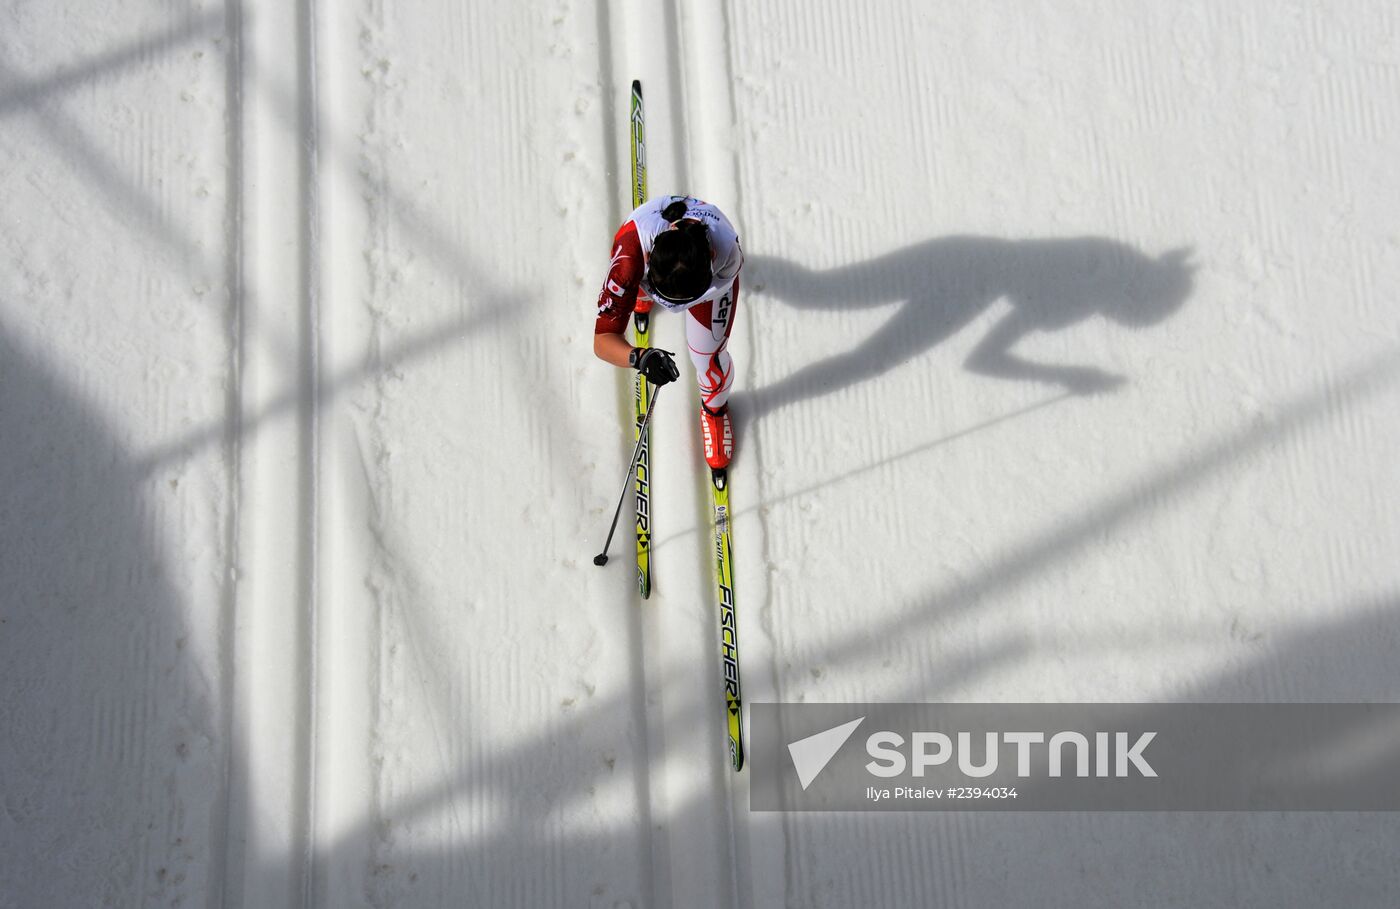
(637,87)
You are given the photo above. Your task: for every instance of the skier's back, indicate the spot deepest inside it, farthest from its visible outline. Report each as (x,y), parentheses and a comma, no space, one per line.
(683,254)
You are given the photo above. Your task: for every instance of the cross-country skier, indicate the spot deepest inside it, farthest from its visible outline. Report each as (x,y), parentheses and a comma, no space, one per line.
(683,254)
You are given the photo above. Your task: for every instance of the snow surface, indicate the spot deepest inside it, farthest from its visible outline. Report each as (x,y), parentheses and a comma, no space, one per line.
(1067,372)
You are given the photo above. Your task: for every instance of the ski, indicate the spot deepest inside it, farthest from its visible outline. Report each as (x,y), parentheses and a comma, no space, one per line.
(641,326)
(728,621)
(719,482)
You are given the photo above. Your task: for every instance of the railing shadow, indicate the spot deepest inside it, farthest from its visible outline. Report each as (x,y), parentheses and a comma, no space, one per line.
(82,569)
(533,799)
(107,721)
(1143,859)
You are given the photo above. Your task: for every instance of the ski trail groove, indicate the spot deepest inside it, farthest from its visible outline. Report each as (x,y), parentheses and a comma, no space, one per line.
(703,31)
(234,286)
(274,272)
(309,420)
(641,636)
(651,839)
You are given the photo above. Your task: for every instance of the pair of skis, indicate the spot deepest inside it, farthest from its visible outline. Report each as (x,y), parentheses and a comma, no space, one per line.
(723,548)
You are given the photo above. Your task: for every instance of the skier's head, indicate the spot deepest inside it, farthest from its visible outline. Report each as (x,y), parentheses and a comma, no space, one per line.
(1155,288)
(679,268)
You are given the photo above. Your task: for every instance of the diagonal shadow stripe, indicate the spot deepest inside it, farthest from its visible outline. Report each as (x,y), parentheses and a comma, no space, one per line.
(26,92)
(129,203)
(413,348)
(1052,544)
(764,504)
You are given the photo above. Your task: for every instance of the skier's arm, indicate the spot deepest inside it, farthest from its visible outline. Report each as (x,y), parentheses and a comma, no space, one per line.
(656,364)
(612,348)
(993,357)
(618,298)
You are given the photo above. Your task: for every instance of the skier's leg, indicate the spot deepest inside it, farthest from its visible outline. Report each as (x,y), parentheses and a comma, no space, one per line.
(707,329)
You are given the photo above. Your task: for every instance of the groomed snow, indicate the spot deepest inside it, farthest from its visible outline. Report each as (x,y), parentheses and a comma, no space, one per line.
(1069,369)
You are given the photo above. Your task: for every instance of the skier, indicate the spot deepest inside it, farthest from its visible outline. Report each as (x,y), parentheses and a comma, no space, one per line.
(683,254)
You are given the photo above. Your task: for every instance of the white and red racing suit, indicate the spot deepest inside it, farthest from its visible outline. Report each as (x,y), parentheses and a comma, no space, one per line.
(709,318)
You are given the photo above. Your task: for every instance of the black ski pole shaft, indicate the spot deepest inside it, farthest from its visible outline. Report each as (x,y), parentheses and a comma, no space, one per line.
(602,557)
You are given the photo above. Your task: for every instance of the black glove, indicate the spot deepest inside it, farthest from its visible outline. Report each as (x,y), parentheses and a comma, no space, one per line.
(654,363)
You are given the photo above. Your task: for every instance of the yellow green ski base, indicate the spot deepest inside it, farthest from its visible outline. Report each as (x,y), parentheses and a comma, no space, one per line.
(728,624)
(642,331)
(642,477)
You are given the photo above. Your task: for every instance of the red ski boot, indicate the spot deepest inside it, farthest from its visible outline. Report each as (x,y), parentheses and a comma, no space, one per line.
(719,436)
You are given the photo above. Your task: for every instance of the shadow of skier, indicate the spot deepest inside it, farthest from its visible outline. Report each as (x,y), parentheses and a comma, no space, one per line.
(947,282)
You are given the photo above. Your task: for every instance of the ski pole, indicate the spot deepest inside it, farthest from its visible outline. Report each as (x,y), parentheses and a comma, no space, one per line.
(602,557)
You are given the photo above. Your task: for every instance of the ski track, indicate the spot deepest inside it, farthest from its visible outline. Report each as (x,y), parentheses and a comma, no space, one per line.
(309,451)
(687,780)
